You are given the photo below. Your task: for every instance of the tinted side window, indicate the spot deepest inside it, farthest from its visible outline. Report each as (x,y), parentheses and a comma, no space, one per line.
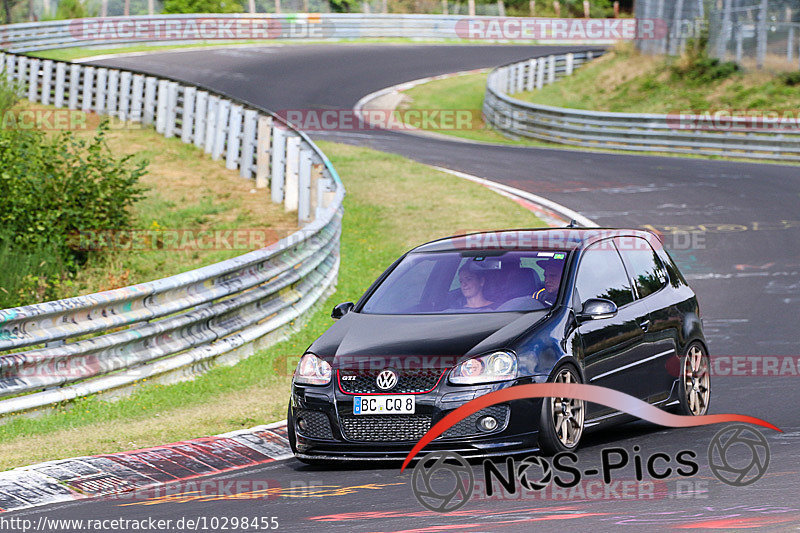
(601,275)
(646,268)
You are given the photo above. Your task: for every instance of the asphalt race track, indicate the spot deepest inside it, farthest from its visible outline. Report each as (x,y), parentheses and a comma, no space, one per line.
(744,265)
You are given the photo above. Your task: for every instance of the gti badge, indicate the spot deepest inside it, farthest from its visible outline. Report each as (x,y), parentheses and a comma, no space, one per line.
(386,380)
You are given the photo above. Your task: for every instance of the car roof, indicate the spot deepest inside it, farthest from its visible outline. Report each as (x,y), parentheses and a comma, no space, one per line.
(568,238)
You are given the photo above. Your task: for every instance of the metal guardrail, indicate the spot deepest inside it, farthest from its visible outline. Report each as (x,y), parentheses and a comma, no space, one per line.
(114,31)
(178,325)
(119,30)
(684,134)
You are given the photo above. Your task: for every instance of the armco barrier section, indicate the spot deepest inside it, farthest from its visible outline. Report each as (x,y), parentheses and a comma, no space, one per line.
(176,326)
(198,27)
(683,134)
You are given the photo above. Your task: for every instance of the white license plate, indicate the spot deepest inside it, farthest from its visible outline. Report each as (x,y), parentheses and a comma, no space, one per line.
(383,405)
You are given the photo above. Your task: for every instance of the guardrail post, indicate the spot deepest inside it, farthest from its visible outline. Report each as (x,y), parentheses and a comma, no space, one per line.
(172,109)
(74,85)
(262,151)
(100,99)
(291,185)
(540,74)
(187,116)
(551,69)
(531,74)
(200,118)
(33,80)
(47,80)
(113,93)
(234,137)
(211,123)
(278,162)
(22,69)
(314,186)
(124,95)
(248,143)
(161,106)
(570,68)
(520,79)
(137,95)
(61,74)
(223,108)
(11,62)
(88,85)
(149,106)
(739,44)
(304,187)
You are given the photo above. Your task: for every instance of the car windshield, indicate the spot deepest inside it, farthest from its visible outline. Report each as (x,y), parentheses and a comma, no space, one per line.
(469,282)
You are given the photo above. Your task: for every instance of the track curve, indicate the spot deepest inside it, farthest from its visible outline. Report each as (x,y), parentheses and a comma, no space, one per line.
(746,271)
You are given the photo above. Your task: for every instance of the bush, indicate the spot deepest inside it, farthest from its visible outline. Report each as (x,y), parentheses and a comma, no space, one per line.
(697,67)
(71,9)
(790,79)
(203,6)
(51,187)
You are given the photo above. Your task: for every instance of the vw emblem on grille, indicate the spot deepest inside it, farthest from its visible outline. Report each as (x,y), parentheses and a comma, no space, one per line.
(386,380)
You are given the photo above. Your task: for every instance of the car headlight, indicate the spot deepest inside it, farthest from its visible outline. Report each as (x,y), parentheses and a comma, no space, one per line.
(496,366)
(311,370)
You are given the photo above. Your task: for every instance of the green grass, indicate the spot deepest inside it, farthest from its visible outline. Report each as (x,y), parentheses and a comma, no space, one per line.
(392,205)
(466,92)
(188,191)
(624,81)
(457,93)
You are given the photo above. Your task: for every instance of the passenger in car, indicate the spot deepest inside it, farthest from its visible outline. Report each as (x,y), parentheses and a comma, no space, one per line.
(472,283)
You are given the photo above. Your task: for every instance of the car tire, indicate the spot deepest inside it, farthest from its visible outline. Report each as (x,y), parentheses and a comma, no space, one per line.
(694,385)
(561,422)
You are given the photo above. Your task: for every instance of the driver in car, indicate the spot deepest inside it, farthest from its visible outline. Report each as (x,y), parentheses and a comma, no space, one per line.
(552,280)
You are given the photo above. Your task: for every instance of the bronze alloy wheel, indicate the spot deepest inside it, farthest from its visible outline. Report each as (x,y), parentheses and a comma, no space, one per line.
(696,381)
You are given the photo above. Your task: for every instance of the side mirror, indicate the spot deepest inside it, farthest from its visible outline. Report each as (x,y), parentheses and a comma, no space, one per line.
(342,309)
(597,308)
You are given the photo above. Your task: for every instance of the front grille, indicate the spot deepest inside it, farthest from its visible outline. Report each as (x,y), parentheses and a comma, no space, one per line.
(317,425)
(469,426)
(379,428)
(408,381)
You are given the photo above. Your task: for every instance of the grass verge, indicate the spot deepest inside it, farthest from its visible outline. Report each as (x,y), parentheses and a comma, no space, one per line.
(466,92)
(188,192)
(392,205)
(626,81)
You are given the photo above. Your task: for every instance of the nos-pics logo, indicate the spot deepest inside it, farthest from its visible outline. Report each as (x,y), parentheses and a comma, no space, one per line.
(444,481)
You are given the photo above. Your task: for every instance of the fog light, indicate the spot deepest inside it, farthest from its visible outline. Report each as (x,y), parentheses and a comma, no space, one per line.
(301,424)
(487,423)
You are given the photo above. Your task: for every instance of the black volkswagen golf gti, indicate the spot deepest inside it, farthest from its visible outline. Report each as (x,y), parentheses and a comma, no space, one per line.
(460,317)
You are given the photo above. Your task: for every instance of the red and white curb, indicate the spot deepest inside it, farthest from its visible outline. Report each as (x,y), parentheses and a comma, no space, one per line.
(118,473)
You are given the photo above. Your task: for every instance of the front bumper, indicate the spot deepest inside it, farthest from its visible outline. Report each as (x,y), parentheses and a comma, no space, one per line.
(331,430)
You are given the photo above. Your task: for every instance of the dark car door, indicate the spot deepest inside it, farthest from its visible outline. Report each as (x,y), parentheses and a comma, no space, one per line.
(649,279)
(611,346)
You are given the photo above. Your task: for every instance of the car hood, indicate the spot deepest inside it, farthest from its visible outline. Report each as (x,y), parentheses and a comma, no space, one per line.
(446,338)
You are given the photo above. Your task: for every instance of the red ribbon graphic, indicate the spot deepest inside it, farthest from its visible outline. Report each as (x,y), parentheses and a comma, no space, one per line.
(588,393)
